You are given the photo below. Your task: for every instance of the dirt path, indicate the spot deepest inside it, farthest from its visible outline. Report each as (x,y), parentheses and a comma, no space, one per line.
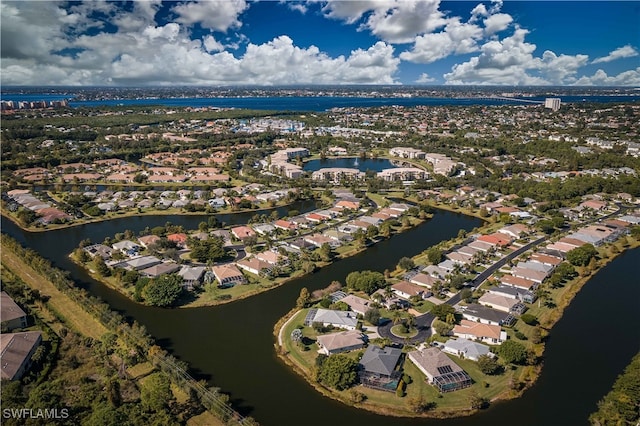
(75,317)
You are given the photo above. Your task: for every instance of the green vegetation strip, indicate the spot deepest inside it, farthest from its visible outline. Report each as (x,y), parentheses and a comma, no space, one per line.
(621,406)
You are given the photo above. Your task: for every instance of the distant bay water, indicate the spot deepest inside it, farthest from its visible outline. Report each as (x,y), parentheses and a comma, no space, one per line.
(310,103)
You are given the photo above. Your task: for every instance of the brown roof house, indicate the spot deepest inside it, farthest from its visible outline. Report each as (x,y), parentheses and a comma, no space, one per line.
(343,341)
(228,275)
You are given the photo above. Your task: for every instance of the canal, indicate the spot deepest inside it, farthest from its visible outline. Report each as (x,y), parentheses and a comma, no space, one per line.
(232,345)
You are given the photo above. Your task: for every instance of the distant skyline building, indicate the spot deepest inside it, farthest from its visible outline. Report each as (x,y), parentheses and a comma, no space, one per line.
(552,103)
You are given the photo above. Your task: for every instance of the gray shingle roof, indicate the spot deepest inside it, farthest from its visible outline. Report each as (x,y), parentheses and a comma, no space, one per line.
(380,360)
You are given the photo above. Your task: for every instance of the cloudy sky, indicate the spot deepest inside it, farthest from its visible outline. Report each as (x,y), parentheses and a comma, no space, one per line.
(240,42)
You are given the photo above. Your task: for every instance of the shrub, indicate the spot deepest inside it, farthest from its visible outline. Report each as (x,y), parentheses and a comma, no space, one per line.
(529,319)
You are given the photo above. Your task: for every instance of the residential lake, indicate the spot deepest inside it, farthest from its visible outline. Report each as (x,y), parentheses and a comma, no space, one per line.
(232,345)
(373,164)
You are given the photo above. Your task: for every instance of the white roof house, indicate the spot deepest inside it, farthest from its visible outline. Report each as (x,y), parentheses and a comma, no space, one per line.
(466,348)
(339,319)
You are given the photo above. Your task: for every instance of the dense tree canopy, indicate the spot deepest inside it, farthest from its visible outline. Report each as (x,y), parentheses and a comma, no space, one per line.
(367,281)
(163,291)
(211,249)
(581,256)
(338,371)
(441,311)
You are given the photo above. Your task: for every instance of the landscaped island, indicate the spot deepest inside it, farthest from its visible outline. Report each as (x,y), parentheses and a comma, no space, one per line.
(425,340)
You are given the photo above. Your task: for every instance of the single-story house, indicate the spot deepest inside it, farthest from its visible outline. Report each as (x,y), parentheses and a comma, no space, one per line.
(424,280)
(466,349)
(141,262)
(357,304)
(502,303)
(328,317)
(148,240)
(342,341)
(16,350)
(254,265)
(242,232)
(99,250)
(440,370)
(228,275)
(512,292)
(518,282)
(529,274)
(11,315)
(126,246)
(160,269)
(264,228)
(378,368)
(406,290)
(485,315)
(191,276)
(491,334)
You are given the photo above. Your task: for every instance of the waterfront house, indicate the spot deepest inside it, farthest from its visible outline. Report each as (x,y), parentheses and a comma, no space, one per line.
(379,368)
(342,341)
(512,292)
(517,282)
(99,250)
(529,274)
(242,232)
(502,303)
(228,275)
(140,262)
(271,257)
(440,370)
(466,349)
(285,225)
(264,228)
(180,239)
(11,315)
(327,317)
(160,269)
(191,276)
(491,334)
(126,247)
(16,351)
(255,266)
(148,240)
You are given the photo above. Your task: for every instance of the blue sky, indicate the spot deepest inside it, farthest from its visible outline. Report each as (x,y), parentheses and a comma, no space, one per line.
(239,42)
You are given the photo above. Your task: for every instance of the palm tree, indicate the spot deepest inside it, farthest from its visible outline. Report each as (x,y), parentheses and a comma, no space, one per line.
(410,322)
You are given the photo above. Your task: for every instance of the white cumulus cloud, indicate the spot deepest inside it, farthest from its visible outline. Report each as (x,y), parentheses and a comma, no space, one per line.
(600,78)
(218,15)
(627,51)
(496,23)
(457,38)
(394,21)
(425,78)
